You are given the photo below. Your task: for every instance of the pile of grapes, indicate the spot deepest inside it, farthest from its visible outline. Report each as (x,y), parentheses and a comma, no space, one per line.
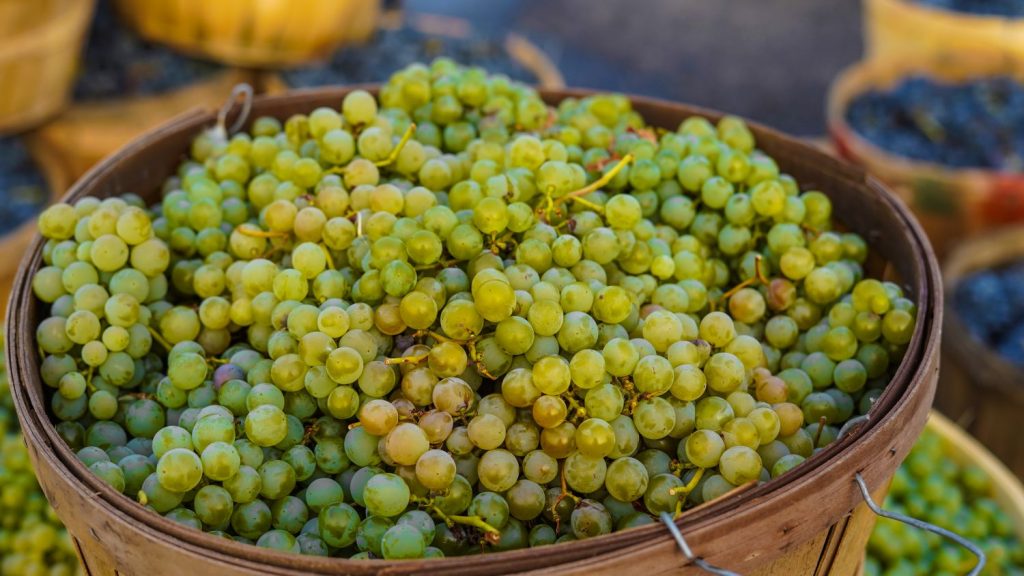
(995,322)
(1004,8)
(23,189)
(32,539)
(932,487)
(391,49)
(120,64)
(457,320)
(975,124)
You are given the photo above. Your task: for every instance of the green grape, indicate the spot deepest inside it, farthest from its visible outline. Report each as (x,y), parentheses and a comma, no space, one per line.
(452,295)
(386,495)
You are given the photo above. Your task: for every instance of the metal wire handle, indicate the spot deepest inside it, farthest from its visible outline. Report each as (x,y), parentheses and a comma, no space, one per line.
(667,520)
(244,90)
(974,548)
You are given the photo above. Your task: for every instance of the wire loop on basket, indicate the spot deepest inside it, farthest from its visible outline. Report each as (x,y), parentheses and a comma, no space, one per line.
(667,520)
(974,548)
(246,92)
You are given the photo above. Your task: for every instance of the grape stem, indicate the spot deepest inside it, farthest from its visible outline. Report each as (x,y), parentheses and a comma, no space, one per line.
(398,149)
(684,491)
(249,230)
(327,256)
(453,519)
(596,184)
(551,206)
(562,496)
(311,431)
(476,361)
(580,411)
(414,359)
(821,426)
(88,379)
(757,277)
(156,336)
(631,394)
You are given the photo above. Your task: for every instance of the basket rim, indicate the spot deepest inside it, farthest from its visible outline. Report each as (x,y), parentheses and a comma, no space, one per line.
(912,381)
(861,77)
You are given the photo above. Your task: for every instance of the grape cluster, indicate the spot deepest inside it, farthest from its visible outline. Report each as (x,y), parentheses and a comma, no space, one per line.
(32,539)
(456,320)
(118,63)
(975,124)
(23,189)
(394,48)
(1004,8)
(931,486)
(995,322)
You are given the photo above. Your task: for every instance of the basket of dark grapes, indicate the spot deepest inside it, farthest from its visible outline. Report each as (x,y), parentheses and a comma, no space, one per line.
(39,47)
(126,85)
(950,36)
(984,344)
(30,178)
(529,332)
(403,40)
(951,144)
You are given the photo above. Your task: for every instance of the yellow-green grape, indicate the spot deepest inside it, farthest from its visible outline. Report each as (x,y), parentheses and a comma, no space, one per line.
(345,331)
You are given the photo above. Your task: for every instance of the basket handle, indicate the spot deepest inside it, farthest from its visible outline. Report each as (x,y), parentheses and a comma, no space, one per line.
(974,548)
(667,520)
(246,92)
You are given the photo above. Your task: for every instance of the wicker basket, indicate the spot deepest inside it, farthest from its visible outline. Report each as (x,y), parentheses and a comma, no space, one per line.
(39,46)
(950,203)
(14,244)
(941,40)
(90,131)
(253,33)
(799,523)
(979,387)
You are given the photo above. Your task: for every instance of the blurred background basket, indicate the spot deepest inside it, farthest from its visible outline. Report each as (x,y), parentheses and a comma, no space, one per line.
(950,203)
(979,387)
(57,179)
(905,30)
(39,46)
(253,33)
(961,448)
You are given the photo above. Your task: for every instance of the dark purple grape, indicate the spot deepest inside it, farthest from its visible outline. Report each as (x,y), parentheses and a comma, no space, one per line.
(118,63)
(977,124)
(393,49)
(1005,8)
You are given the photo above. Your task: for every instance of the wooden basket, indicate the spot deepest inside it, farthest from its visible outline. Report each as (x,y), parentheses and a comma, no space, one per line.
(253,33)
(802,522)
(963,449)
(950,203)
(39,47)
(14,244)
(941,40)
(90,131)
(979,388)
